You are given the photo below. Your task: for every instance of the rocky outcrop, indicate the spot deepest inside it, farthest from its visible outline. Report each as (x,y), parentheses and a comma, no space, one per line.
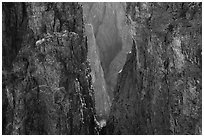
(159,89)
(49,89)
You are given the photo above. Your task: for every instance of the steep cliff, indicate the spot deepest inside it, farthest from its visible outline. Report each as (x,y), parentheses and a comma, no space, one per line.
(159,89)
(102,68)
(49,88)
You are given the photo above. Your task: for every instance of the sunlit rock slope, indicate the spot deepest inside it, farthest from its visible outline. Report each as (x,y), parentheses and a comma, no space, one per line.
(112,41)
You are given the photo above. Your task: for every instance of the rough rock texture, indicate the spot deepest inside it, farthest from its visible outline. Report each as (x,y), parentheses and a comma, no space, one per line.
(14,28)
(49,88)
(51,59)
(159,89)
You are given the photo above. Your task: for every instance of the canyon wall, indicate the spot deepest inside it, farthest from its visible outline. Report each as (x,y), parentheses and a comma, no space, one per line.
(102,68)
(159,89)
(48,89)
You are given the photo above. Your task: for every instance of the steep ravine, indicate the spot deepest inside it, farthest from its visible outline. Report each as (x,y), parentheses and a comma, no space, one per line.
(112,42)
(102,68)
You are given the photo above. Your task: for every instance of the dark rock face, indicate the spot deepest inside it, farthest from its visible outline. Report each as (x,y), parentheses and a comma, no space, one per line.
(49,89)
(47,81)
(14,22)
(159,88)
